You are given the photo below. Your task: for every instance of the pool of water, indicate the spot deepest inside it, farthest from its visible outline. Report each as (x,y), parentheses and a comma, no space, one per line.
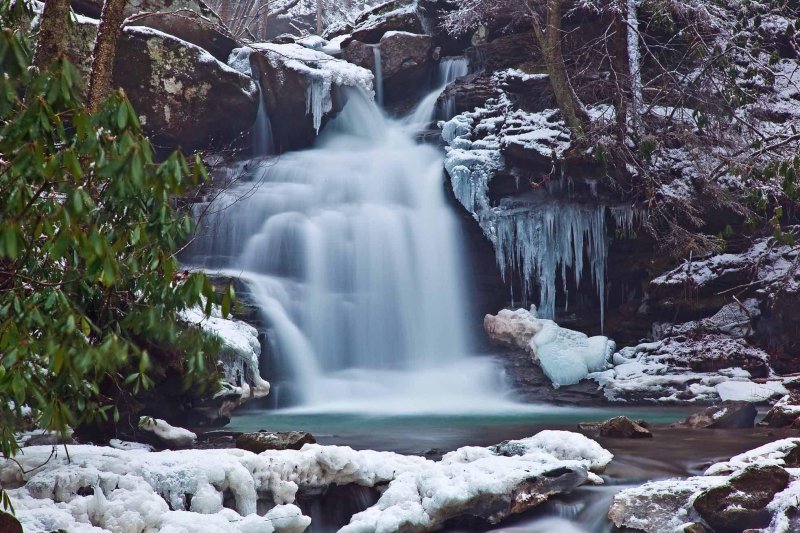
(421,432)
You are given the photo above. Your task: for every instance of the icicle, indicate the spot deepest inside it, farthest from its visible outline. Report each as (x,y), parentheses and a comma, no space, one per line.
(315,100)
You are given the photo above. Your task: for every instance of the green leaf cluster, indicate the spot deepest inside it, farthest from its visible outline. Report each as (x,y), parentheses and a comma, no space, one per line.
(90,288)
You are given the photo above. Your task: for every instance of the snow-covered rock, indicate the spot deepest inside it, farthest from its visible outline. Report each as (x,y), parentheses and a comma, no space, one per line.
(107,489)
(784,413)
(741,489)
(490,483)
(299,87)
(167,435)
(240,351)
(566,356)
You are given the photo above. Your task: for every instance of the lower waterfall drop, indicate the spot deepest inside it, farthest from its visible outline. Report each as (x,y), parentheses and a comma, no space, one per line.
(354,259)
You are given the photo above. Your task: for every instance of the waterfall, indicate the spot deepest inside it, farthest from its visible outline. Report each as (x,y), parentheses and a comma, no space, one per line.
(261,132)
(354,259)
(376,54)
(450,69)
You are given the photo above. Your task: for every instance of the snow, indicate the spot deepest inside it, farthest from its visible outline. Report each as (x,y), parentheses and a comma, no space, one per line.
(769,454)
(750,392)
(240,353)
(424,499)
(565,356)
(322,71)
(103,488)
(171,435)
(665,505)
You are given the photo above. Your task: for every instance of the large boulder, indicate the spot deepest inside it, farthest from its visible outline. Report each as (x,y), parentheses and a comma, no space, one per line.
(726,415)
(182,94)
(299,88)
(397,15)
(267,440)
(741,503)
(620,427)
(405,62)
(92,8)
(193,28)
(784,413)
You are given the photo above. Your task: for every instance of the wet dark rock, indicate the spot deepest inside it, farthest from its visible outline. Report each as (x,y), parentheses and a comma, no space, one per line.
(193,28)
(268,440)
(405,62)
(620,427)
(741,502)
(695,527)
(727,415)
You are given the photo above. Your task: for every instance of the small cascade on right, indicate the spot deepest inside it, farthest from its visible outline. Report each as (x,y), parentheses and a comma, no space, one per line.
(449,70)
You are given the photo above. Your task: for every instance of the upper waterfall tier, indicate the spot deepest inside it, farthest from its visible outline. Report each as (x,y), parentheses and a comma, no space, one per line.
(355,260)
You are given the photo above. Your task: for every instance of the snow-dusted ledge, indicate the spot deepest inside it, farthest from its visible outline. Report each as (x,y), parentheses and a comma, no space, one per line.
(105,489)
(240,354)
(323,71)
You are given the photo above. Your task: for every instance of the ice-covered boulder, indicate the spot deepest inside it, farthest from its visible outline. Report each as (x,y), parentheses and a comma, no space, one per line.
(565,356)
(166,435)
(484,483)
(192,28)
(240,353)
(138,490)
(300,87)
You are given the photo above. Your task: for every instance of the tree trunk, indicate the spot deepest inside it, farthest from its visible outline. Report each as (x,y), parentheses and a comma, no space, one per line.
(52,40)
(319,16)
(549,37)
(105,48)
(634,62)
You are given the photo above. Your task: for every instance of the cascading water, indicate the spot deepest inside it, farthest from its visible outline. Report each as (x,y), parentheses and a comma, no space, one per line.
(353,257)
(378,72)
(450,69)
(261,133)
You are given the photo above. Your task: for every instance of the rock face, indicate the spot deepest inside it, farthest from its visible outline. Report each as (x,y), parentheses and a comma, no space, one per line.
(741,503)
(267,440)
(193,28)
(300,88)
(727,415)
(405,62)
(620,427)
(183,95)
(92,8)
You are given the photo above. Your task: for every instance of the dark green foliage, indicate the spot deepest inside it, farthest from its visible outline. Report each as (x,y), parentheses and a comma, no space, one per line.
(90,288)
